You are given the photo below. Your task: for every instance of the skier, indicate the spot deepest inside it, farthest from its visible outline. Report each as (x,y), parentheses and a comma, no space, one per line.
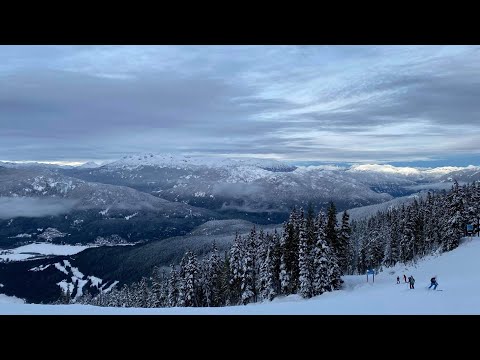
(404,277)
(398,279)
(411,280)
(434,283)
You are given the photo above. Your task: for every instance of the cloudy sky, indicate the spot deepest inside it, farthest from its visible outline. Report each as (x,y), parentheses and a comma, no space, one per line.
(325,103)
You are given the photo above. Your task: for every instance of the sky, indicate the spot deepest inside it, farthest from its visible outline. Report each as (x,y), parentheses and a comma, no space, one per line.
(341,104)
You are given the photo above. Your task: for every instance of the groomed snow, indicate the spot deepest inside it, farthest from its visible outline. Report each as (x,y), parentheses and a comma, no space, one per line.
(457,273)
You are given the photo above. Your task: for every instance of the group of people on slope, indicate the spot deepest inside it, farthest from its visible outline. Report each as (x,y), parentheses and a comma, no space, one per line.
(411,281)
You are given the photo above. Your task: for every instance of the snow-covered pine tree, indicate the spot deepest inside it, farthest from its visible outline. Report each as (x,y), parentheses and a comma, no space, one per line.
(225,274)
(284,274)
(332,232)
(344,241)
(455,223)
(268,269)
(211,278)
(156,295)
(248,273)
(236,270)
(321,281)
(190,272)
(304,260)
(173,288)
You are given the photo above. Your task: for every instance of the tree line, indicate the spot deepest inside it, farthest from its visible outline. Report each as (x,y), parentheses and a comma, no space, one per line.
(308,258)
(433,223)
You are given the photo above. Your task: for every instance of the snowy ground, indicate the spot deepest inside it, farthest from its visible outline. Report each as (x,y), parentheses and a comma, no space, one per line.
(457,273)
(36,249)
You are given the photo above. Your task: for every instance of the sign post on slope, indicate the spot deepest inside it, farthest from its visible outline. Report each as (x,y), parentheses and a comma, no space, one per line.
(371,272)
(470,229)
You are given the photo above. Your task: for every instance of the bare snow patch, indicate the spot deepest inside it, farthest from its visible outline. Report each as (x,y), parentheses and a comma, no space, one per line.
(40,268)
(20,236)
(61,268)
(131,216)
(95,281)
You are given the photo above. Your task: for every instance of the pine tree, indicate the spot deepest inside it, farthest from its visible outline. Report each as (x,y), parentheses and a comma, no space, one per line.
(173,288)
(236,269)
(268,289)
(331,230)
(248,272)
(225,292)
(321,282)
(211,274)
(190,279)
(304,261)
(344,241)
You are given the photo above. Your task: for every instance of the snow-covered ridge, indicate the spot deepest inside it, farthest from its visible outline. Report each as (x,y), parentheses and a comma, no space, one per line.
(245,165)
(89,165)
(185,162)
(390,169)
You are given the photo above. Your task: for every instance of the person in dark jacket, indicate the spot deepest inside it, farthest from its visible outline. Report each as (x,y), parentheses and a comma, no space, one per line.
(404,277)
(434,283)
(411,280)
(398,279)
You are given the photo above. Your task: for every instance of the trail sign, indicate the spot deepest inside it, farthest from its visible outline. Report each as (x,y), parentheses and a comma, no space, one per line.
(470,227)
(371,272)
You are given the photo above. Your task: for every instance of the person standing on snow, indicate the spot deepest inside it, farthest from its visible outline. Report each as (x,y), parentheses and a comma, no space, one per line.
(411,280)
(404,277)
(398,279)
(434,283)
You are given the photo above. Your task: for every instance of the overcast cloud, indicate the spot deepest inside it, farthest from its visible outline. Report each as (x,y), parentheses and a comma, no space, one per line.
(326,103)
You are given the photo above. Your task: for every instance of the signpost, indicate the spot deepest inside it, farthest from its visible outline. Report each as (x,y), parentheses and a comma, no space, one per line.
(371,272)
(470,229)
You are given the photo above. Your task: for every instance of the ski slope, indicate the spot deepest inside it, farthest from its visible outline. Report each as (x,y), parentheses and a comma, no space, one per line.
(457,273)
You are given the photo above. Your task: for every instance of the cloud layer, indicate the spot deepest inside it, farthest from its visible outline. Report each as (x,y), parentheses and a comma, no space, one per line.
(11,207)
(327,103)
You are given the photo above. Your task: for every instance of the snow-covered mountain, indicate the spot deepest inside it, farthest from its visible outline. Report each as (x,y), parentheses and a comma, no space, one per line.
(32,201)
(260,189)
(192,162)
(89,165)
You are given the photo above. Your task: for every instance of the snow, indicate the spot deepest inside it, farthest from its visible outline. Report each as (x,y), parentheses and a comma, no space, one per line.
(104,212)
(131,216)
(76,273)
(61,268)
(5,299)
(110,287)
(66,286)
(81,284)
(390,169)
(189,162)
(40,268)
(51,233)
(20,236)
(95,281)
(15,257)
(457,273)
(89,165)
(35,249)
